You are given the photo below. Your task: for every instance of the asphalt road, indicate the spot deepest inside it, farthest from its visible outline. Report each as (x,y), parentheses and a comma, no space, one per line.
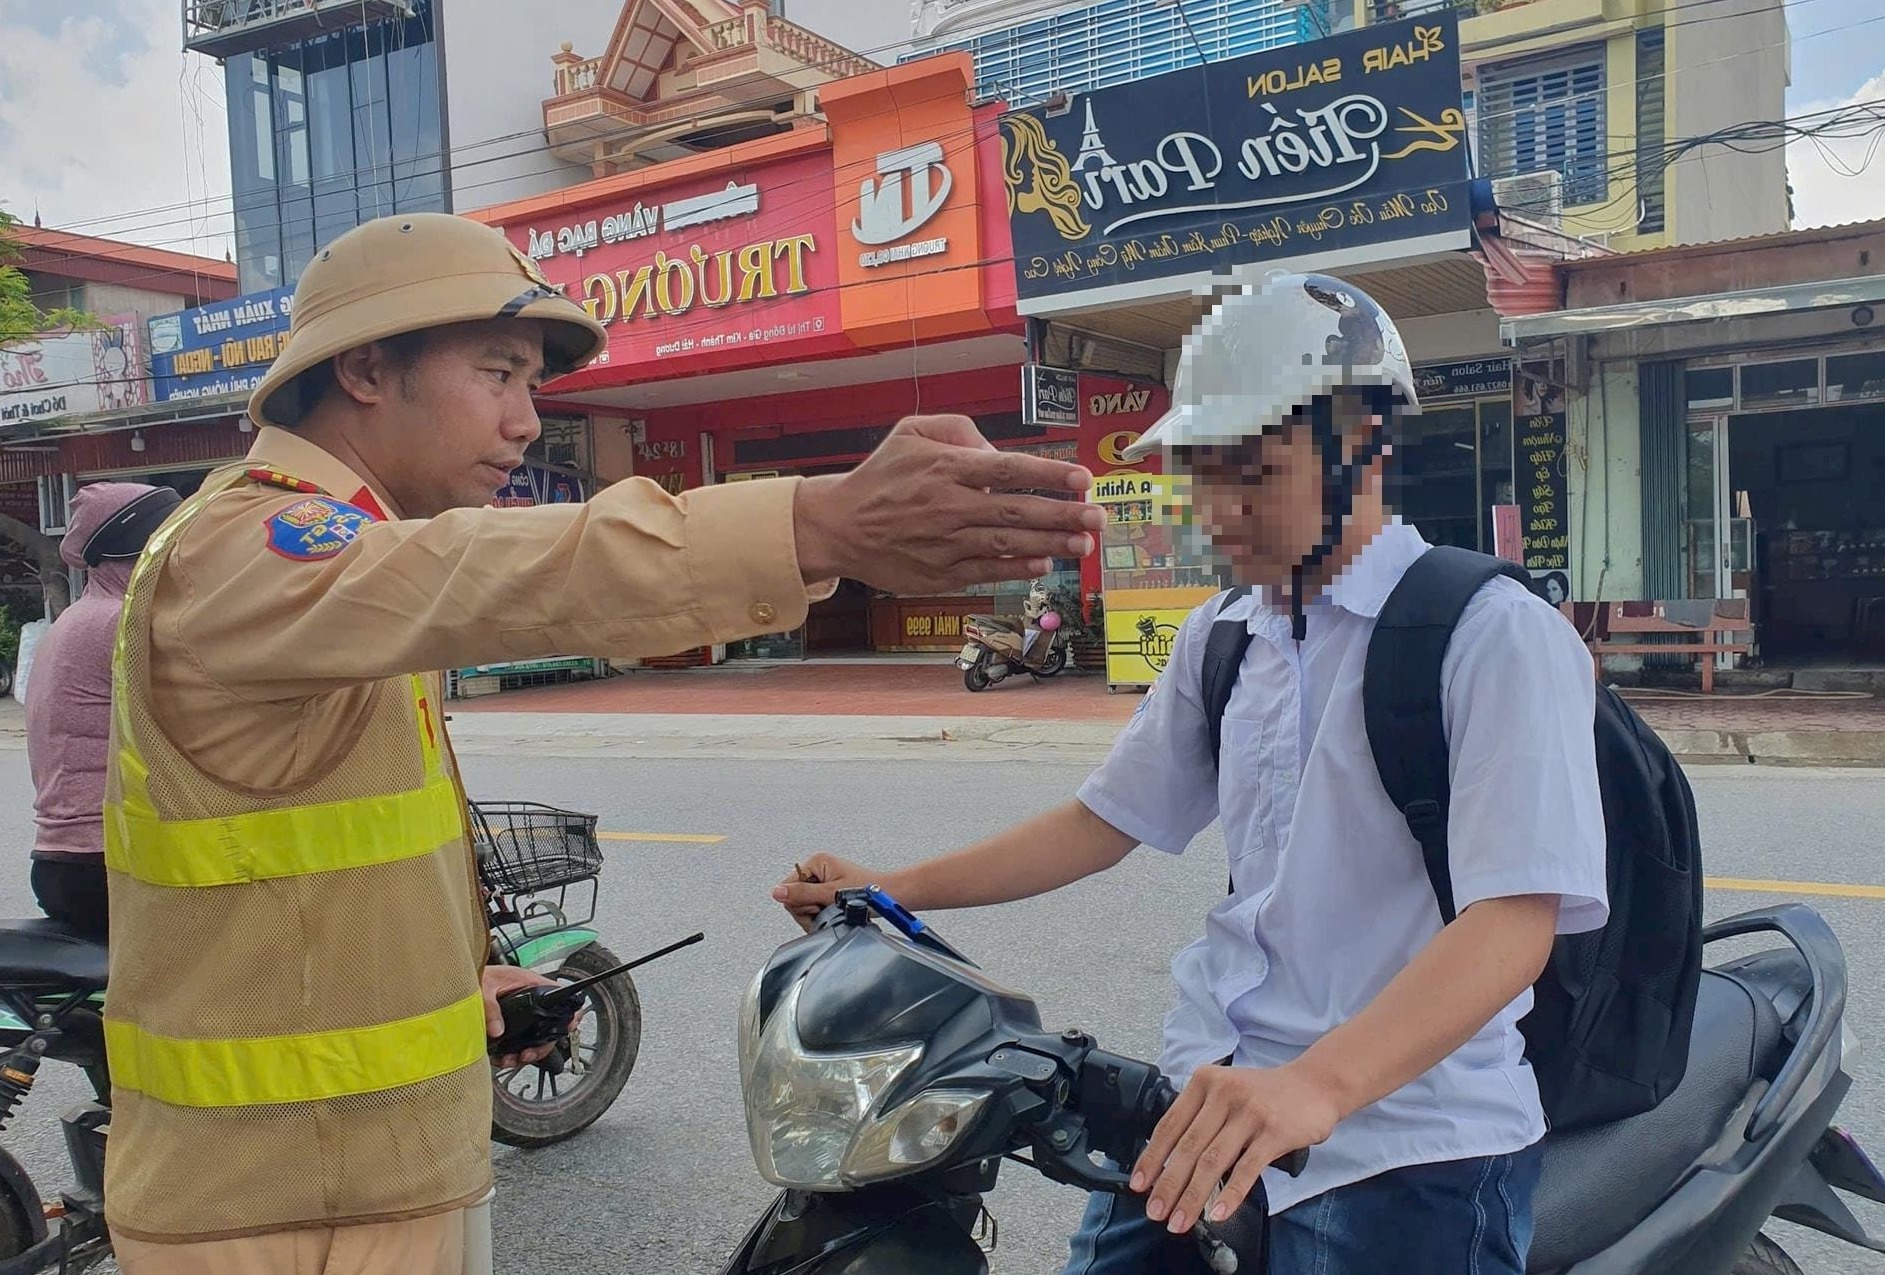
(664,1181)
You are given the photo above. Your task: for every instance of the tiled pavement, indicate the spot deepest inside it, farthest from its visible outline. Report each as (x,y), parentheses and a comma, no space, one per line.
(819,690)
(1756,713)
(936,690)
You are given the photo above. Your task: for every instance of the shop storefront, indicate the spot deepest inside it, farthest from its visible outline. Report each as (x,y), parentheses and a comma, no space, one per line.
(1345,156)
(1735,458)
(776,307)
(1453,463)
(810,434)
(1784,501)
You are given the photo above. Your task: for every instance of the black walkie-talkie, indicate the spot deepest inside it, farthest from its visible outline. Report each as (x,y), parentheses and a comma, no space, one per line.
(539,1015)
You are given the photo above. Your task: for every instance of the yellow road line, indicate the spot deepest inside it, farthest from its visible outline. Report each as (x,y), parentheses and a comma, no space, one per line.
(685,838)
(1832,889)
(1829,888)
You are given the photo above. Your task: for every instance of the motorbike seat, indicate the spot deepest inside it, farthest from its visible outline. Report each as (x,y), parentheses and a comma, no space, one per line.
(1598,1184)
(41,952)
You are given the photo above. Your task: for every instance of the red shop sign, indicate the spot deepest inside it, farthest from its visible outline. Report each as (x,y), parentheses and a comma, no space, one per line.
(719,270)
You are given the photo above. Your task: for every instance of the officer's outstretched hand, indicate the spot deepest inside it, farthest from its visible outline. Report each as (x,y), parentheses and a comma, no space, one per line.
(936,508)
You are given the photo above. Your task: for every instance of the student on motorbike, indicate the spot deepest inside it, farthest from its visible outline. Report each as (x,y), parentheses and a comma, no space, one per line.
(300,996)
(68,714)
(1325,1005)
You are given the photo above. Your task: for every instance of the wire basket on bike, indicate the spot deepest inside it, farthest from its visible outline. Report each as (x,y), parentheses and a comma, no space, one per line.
(524,847)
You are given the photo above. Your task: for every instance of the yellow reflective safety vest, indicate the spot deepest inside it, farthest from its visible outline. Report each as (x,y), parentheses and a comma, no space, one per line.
(294,1024)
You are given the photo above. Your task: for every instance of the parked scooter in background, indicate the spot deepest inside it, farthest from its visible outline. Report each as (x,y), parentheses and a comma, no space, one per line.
(1038,644)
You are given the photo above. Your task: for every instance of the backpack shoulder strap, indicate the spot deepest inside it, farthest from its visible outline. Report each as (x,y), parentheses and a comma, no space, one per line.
(1223,656)
(1400,693)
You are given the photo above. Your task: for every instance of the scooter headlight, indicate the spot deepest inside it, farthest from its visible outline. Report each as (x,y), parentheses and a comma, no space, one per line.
(804,1110)
(913,1134)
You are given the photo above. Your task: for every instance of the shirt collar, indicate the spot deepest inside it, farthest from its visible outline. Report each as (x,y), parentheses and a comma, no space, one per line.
(296,457)
(1363,588)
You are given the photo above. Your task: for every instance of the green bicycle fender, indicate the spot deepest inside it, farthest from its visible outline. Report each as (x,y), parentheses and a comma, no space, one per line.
(547,951)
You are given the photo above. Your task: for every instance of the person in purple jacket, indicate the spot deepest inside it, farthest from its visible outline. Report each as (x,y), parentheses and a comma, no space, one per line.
(68,703)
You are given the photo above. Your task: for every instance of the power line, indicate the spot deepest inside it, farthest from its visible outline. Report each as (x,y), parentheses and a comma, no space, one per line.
(1630,161)
(832,64)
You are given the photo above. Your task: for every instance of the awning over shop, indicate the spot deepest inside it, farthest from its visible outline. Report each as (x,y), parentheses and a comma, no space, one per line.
(1778,299)
(1451,283)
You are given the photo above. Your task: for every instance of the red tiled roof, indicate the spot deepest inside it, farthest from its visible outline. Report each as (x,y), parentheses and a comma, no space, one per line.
(64,252)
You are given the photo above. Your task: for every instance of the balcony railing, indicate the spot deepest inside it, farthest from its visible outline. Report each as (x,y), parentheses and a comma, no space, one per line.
(1394,10)
(814,51)
(811,51)
(578,77)
(223,28)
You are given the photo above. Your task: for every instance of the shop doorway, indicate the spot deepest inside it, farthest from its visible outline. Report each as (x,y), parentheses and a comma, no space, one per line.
(857,621)
(1807,515)
(1453,464)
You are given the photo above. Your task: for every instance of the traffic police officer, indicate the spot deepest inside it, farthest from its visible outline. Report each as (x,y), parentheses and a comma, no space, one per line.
(299,998)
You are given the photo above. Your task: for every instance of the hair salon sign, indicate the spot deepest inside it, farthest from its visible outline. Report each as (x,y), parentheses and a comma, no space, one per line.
(1336,151)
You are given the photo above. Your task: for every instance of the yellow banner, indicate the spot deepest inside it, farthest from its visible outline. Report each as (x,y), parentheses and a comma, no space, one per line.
(1139,643)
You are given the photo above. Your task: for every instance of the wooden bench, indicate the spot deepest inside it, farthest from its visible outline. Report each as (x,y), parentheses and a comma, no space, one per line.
(1708,627)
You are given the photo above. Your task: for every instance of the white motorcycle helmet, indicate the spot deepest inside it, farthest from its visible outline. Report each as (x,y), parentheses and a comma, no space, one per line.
(1265,351)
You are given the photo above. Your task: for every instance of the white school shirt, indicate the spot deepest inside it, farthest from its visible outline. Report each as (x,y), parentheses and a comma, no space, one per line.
(1332,900)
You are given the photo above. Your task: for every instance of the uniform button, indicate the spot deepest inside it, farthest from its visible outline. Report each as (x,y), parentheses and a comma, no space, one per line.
(764,613)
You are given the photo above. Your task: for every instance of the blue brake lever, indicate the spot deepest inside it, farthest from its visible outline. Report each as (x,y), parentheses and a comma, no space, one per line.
(905,921)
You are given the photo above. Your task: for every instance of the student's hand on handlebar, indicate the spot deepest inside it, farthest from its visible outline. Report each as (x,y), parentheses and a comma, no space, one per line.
(1228,1125)
(814,884)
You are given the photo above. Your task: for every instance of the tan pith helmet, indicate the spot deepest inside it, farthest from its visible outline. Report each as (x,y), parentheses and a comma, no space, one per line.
(405,273)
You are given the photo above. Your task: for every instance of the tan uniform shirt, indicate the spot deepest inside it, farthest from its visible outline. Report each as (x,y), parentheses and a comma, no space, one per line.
(263,663)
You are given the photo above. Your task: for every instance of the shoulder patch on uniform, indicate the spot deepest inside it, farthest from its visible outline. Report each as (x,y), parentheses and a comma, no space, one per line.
(287,482)
(310,530)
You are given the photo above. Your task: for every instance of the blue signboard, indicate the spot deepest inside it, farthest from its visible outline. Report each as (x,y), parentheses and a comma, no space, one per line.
(1322,155)
(537,485)
(221,348)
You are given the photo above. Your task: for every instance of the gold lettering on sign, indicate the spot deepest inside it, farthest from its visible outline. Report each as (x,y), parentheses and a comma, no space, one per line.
(1327,71)
(712,298)
(1427,41)
(674,284)
(756,273)
(637,293)
(795,249)
(924,626)
(599,298)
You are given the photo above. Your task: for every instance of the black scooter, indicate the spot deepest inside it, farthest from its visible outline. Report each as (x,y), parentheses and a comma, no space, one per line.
(886,1078)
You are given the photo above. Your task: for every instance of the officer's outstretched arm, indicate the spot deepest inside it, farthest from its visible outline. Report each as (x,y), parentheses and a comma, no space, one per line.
(273,609)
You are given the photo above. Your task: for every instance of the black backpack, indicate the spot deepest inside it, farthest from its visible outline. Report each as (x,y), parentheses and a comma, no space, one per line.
(1608,1034)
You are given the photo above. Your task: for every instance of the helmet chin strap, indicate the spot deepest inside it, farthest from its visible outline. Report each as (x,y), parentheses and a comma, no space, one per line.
(1340,481)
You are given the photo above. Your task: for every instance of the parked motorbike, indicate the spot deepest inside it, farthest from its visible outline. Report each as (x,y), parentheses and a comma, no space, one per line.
(997,645)
(538,867)
(885,1079)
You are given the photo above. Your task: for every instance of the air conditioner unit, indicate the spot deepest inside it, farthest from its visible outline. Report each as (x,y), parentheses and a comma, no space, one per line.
(1539,195)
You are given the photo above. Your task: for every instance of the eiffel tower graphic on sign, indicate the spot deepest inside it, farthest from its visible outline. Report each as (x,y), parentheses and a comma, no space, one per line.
(1093,152)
